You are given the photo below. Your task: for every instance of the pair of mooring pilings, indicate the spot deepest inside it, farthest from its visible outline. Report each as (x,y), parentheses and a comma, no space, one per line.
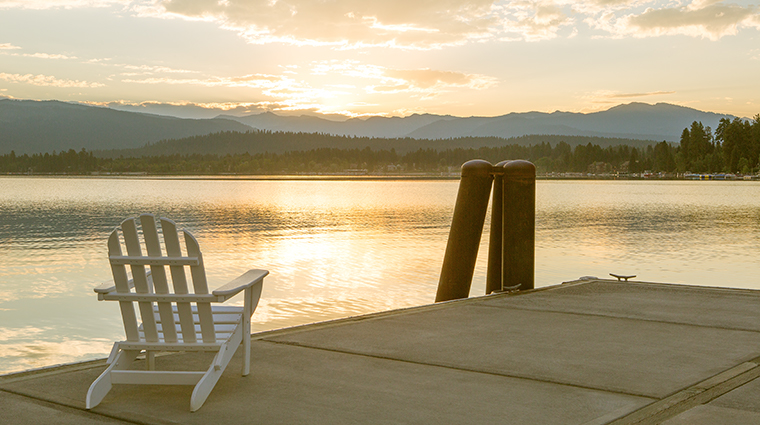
(511,248)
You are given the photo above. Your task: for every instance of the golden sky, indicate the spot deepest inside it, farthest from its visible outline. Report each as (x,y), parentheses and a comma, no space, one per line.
(199,58)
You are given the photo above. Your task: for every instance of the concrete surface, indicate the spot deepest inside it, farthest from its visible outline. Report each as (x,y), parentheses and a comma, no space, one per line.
(589,352)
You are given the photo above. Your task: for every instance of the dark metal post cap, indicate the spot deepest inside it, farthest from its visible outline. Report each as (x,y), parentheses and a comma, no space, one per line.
(476,167)
(520,168)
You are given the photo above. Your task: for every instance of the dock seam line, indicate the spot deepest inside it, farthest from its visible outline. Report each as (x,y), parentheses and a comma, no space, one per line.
(461,369)
(389,313)
(698,394)
(51,370)
(615,317)
(89,412)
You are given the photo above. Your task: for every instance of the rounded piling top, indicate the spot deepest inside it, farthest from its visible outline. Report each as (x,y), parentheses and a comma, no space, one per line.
(520,168)
(476,167)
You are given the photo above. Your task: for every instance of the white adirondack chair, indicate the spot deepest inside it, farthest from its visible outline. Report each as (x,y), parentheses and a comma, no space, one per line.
(181,319)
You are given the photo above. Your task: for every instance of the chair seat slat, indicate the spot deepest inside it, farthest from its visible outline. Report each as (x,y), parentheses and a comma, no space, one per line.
(218,328)
(220,338)
(168,298)
(153,261)
(166,346)
(227,318)
(220,309)
(215,309)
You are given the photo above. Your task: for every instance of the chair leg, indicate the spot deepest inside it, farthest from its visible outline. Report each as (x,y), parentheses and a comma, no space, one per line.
(101,386)
(208,381)
(246,319)
(150,360)
(246,346)
(204,386)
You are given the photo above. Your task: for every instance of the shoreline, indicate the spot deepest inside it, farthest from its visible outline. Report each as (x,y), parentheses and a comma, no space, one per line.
(371,177)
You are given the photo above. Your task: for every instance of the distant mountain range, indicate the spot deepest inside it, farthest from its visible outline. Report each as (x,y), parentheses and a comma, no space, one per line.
(28,126)
(658,122)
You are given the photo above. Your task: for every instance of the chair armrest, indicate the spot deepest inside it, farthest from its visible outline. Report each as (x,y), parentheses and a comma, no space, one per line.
(246,280)
(110,286)
(105,287)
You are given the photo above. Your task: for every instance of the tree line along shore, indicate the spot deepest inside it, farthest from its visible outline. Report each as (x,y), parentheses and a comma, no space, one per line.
(733,147)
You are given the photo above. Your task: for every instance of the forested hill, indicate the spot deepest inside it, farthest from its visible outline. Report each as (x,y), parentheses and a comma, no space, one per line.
(254,142)
(733,148)
(44,126)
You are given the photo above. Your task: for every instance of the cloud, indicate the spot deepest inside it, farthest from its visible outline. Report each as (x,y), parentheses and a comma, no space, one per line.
(594,7)
(48,56)
(46,80)
(433,24)
(432,82)
(610,97)
(708,19)
(186,109)
(385,80)
(35,55)
(700,4)
(389,80)
(533,21)
(421,24)
(429,24)
(287,91)
(135,70)
(713,21)
(644,94)
(251,81)
(6,49)
(58,4)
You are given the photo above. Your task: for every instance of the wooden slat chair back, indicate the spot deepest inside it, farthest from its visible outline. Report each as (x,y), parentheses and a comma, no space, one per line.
(169,288)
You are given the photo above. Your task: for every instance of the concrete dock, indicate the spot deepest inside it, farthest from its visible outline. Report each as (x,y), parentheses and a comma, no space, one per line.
(584,352)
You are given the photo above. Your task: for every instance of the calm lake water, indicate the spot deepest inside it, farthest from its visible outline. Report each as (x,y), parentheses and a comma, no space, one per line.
(341,248)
